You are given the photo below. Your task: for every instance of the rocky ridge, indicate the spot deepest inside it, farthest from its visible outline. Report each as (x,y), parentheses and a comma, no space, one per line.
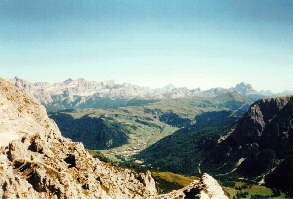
(260,145)
(37,162)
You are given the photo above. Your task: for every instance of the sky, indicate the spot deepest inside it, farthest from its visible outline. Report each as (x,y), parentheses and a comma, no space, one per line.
(191,43)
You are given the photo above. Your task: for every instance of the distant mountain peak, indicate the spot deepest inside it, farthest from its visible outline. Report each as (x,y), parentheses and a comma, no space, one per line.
(244,89)
(69,80)
(243,85)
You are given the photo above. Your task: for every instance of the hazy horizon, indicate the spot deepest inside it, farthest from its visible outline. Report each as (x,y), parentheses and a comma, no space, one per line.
(192,43)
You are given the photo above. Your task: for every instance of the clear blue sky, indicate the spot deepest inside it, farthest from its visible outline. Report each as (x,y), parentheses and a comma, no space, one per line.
(193,43)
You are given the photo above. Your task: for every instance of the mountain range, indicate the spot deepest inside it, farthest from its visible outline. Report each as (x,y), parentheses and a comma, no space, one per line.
(81,93)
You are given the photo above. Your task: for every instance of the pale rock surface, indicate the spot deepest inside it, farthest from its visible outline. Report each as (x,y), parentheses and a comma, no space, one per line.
(20,115)
(206,188)
(50,93)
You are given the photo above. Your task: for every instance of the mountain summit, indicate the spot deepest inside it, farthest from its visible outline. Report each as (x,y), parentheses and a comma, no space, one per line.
(244,89)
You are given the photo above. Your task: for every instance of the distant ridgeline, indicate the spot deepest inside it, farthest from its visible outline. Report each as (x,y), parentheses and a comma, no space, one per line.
(81,93)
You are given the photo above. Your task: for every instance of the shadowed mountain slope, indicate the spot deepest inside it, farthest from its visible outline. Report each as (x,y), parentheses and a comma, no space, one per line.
(94,133)
(260,146)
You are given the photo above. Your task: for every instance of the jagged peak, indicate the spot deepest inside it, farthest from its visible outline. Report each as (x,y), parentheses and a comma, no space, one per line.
(243,84)
(67,81)
(281,101)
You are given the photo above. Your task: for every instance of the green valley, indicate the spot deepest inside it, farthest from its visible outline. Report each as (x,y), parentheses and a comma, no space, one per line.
(124,132)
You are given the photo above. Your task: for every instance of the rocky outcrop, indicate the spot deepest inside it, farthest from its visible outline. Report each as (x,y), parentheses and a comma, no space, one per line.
(21,115)
(42,166)
(37,162)
(206,188)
